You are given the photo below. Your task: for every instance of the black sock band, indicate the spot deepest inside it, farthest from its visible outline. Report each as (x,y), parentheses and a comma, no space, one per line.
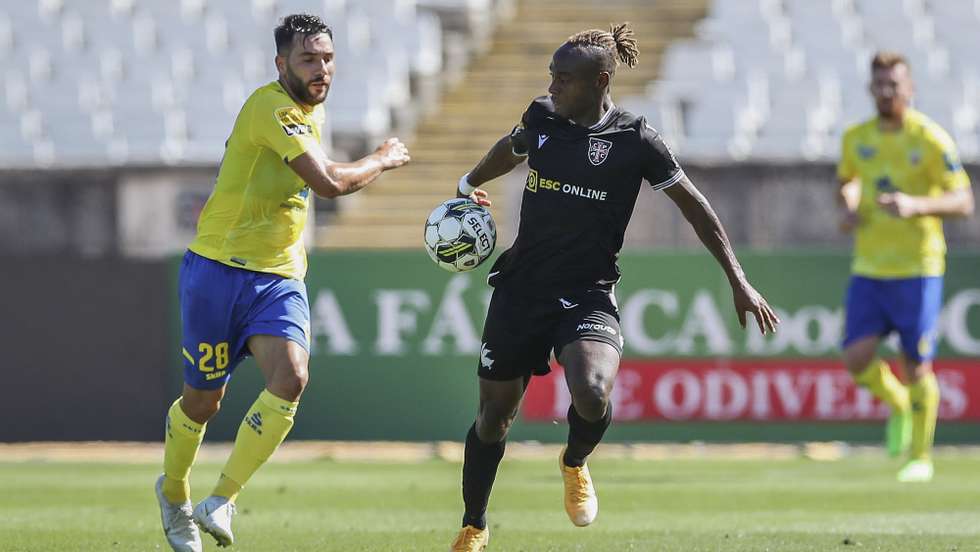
(480,461)
(583,436)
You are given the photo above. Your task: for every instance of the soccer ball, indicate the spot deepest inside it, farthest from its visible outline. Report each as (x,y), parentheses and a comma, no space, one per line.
(460,235)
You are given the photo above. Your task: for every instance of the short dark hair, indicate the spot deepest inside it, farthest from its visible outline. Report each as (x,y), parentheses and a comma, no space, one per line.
(298,24)
(886,60)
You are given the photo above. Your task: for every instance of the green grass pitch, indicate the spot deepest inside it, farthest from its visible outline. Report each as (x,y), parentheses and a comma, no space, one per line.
(678,505)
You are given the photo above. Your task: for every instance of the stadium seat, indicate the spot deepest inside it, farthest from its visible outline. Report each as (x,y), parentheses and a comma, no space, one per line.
(358,108)
(697,62)
(123,57)
(76,143)
(401,27)
(10,131)
(962,46)
(814,57)
(14,148)
(14,92)
(102,50)
(710,124)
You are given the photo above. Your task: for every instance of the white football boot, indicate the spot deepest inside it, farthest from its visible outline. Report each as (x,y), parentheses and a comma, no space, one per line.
(916,471)
(213,515)
(178,524)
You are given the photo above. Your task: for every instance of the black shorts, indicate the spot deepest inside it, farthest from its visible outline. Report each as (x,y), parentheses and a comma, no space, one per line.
(521,332)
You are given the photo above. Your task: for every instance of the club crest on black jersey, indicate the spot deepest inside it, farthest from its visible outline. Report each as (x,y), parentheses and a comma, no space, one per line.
(598,150)
(579,194)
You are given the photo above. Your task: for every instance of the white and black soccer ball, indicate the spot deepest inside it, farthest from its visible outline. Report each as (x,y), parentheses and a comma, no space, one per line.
(460,235)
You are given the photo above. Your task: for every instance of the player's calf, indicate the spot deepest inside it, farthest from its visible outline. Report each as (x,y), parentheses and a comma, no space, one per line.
(495,418)
(898,433)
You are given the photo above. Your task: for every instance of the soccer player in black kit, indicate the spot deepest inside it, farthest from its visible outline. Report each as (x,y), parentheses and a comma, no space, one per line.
(553,289)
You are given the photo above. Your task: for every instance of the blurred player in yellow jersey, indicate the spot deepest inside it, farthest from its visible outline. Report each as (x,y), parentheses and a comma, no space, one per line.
(241,281)
(899,176)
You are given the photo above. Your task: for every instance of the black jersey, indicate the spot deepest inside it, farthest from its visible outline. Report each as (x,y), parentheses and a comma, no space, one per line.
(581,187)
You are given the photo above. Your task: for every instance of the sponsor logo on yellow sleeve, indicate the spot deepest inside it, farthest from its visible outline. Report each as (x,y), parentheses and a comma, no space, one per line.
(293,122)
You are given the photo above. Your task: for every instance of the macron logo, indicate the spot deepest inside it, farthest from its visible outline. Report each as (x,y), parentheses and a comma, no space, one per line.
(542,138)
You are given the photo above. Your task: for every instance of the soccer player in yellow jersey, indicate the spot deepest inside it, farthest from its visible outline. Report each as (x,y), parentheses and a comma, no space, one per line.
(899,176)
(241,281)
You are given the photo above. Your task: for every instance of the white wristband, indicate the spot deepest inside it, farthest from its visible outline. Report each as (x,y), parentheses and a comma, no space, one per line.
(464,185)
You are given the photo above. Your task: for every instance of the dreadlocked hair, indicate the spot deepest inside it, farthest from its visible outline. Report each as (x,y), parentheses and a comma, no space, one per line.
(618,42)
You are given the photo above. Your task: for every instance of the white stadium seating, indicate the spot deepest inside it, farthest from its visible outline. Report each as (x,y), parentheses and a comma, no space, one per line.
(151,82)
(119,82)
(781,79)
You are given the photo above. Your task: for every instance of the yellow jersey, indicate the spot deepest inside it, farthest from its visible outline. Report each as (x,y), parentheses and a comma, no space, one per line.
(919,160)
(256,214)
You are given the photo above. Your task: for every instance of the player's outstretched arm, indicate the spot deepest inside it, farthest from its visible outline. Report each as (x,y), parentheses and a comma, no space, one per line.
(702,217)
(954,203)
(507,153)
(330,179)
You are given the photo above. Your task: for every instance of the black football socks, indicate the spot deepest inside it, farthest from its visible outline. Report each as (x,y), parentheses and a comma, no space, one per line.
(480,461)
(583,436)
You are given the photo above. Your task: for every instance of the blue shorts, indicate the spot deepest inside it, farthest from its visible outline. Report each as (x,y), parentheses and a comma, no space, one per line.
(909,306)
(222,306)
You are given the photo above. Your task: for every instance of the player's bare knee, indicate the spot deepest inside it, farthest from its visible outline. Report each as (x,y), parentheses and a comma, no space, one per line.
(590,395)
(289,381)
(200,408)
(859,355)
(300,378)
(857,362)
(591,402)
(292,385)
(853,367)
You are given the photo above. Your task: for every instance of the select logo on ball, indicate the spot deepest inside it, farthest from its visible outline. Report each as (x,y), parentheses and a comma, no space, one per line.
(459,235)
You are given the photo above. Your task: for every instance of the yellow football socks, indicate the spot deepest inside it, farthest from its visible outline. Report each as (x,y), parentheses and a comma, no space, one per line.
(925,406)
(263,429)
(879,379)
(182,440)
